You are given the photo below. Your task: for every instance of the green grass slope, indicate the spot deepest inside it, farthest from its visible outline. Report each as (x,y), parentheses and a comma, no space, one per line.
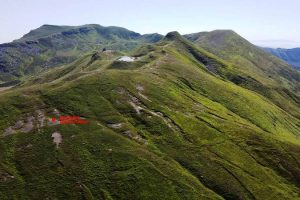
(254,68)
(169,125)
(50,46)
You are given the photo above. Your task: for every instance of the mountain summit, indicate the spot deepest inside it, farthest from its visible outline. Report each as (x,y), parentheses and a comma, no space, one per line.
(173,35)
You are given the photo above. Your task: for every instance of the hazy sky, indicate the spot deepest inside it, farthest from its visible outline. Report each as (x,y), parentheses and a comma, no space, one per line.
(273,23)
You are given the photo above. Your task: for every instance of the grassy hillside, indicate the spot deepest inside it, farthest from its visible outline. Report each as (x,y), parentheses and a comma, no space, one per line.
(50,46)
(253,68)
(170,125)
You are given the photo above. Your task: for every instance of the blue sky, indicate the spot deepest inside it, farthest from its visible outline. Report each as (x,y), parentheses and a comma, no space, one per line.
(273,23)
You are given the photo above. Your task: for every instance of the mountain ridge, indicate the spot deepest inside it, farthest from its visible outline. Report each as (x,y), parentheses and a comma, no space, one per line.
(171,120)
(291,56)
(184,118)
(252,67)
(45,47)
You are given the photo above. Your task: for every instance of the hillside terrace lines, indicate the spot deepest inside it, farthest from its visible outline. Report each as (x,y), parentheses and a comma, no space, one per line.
(139,108)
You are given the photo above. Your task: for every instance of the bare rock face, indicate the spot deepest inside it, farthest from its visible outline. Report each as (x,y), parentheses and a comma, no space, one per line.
(40,118)
(32,121)
(8,131)
(19,124)
(28,125)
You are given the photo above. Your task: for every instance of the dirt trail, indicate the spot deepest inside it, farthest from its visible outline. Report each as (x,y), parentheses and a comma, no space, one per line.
(5,88)
(138,107)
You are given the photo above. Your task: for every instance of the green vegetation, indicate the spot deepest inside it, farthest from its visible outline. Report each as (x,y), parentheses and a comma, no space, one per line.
(173,124)
(253,68)
(51,46)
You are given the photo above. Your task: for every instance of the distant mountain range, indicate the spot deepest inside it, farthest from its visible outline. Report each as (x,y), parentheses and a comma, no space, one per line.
(49,46)
(291,56)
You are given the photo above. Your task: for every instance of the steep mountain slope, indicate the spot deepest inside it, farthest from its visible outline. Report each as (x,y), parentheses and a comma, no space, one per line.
(254,69)
(169,125)
(50,46)
(291,56)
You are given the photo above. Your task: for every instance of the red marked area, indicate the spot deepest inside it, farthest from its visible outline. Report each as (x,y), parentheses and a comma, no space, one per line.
(53,119)
(72,120)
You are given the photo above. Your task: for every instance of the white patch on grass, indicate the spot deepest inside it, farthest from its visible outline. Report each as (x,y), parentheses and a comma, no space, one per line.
(126,59)
(139,87)
(57,138)
(115,126)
